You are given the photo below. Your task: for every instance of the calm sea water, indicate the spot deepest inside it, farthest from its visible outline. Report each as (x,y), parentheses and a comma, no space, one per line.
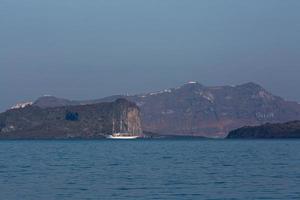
(150,169)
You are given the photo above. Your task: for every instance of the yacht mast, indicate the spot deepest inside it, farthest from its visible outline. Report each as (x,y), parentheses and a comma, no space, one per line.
(121,125)
(113,123)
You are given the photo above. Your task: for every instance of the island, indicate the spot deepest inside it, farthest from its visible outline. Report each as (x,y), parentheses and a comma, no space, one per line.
(267,131)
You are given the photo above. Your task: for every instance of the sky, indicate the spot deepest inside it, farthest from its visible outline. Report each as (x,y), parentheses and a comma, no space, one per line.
(81,49)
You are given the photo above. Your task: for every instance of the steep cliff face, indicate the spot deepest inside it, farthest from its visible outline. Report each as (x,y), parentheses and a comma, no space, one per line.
(83,121)
(126,118)
(267,131)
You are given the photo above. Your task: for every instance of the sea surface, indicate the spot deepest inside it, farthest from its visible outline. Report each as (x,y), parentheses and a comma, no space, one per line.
(150,169)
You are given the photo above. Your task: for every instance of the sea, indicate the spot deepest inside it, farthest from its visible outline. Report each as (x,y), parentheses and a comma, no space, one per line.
(149,169)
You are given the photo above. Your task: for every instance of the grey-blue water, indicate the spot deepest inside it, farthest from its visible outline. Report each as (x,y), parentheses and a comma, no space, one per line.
(150,169)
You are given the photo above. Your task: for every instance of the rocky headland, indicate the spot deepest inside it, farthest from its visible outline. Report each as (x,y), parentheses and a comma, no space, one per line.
(267,131)
(71,121)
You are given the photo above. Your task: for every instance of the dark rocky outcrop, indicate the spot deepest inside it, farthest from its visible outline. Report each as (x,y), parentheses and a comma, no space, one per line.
(197,110)
(81,121)
(267,131)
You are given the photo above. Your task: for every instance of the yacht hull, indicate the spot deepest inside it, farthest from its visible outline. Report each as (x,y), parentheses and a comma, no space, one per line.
(122,137)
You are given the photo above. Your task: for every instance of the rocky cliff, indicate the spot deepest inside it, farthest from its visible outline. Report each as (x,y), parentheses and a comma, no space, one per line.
(197,110)
(81,121)
(267,131)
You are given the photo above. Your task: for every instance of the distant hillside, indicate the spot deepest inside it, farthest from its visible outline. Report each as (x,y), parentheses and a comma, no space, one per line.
(51,102)
(81,121)
(197,110)
(279,130)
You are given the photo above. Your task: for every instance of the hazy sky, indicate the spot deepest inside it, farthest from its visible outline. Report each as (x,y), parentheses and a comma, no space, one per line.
(82,49)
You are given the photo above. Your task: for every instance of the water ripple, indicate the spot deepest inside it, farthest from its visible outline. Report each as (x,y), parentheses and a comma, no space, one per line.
(145,169)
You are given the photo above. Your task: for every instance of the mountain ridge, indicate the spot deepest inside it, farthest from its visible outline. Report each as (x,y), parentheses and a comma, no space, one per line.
(197,110)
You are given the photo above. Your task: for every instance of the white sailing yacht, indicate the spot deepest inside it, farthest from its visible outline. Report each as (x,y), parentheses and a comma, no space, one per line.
(120,135)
